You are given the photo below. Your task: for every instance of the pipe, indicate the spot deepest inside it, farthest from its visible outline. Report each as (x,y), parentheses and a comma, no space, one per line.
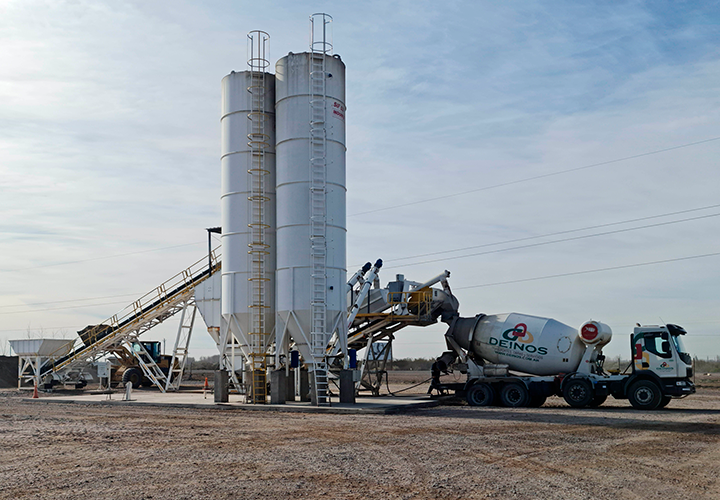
(431,282)
(364,291)
(358,276)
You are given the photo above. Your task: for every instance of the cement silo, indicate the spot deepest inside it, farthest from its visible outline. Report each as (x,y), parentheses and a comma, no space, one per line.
(248,207)
(310,187)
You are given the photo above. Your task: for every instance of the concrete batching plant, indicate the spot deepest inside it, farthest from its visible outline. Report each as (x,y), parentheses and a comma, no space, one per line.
(280,303)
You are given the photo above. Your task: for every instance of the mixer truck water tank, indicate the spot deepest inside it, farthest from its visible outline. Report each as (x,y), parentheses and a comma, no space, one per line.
(595,333)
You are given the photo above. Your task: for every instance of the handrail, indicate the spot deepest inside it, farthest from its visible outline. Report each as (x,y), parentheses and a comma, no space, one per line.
(418,304)
(142,308)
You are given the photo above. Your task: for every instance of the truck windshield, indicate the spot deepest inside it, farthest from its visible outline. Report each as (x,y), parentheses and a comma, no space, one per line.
(680,347)
(678,343)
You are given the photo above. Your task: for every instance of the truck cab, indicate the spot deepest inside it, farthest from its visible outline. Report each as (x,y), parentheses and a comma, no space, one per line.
(659,350)
(662,370)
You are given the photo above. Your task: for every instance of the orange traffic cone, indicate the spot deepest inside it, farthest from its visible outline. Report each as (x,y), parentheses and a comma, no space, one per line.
(35,392)
(206,388)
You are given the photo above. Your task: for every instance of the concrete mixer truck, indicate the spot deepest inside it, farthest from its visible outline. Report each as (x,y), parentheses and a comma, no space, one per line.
(519,360)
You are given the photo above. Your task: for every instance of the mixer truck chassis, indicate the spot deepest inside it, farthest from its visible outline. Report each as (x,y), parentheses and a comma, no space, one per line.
(578,391)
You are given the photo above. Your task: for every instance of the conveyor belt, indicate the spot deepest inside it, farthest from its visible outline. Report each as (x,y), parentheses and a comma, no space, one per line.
(148,311)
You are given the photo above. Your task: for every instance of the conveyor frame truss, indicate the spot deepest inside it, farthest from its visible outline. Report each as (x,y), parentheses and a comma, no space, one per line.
(168,299)
(400,310)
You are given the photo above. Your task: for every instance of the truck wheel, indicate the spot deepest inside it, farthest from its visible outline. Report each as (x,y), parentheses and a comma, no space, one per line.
(597,401)
(578,393)
(134,376)
(514,395)
(664,401)
(645,395)
(480,395)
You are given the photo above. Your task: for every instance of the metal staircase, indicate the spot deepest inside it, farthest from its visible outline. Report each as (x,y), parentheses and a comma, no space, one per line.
(180,351)
(147,364)
(258,142)
(320,48)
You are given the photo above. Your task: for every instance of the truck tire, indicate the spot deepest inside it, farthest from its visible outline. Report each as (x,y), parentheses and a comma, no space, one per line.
(514,395)
(645,395)
(133,375)
(664,401)
(578,393)
(480,395)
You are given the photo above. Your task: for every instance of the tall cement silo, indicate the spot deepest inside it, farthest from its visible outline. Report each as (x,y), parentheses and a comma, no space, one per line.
(310,187)
(248,208)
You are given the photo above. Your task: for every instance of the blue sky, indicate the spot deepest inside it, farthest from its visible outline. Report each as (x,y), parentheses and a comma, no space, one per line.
(109,152)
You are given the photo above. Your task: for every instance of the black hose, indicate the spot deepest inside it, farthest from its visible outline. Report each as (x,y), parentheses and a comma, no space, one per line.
(387,384)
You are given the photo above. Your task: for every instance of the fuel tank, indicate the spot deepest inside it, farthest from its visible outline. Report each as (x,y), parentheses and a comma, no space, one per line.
(528,344)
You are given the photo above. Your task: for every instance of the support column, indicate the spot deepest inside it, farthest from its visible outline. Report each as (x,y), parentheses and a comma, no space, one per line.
(304,386)
(347,387)
(221,386)
(278,387)
(290,386)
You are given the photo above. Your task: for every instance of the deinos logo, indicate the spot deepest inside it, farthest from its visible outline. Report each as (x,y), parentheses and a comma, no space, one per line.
(518,339)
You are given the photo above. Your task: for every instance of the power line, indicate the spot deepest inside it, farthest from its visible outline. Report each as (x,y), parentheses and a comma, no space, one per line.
(41,328)
(567,231)
(72,300)
(62,308)
(543,243)
(98,258)
(575,273)
(536,177)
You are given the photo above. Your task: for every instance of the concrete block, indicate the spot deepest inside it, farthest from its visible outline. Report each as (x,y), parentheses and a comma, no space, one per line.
(221,387)
(278,387)
(304,386)
(347,386)
(290,386)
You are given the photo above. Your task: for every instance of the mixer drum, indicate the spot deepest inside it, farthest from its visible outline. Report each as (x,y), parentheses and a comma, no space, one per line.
(528,344)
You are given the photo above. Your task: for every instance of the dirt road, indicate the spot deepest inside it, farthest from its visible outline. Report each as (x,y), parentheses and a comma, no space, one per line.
(453,452)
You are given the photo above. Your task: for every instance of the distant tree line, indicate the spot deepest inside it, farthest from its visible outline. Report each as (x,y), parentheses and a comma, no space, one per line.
(424,364)
(415,364)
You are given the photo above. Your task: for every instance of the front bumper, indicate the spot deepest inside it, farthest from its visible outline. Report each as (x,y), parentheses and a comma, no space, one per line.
(679,388)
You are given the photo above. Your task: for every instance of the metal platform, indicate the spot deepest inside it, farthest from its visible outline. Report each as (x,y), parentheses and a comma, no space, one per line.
(194,400)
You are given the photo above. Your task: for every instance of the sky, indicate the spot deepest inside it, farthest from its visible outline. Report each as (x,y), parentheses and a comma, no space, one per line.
(558,158)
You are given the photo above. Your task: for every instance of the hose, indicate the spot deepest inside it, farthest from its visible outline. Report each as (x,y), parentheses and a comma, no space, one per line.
(387,384)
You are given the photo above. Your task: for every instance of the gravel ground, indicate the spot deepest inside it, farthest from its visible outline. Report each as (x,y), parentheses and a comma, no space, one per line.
(451,452)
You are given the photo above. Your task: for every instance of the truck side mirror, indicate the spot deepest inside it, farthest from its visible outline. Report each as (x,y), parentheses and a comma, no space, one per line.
(665,336)
(665,346)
